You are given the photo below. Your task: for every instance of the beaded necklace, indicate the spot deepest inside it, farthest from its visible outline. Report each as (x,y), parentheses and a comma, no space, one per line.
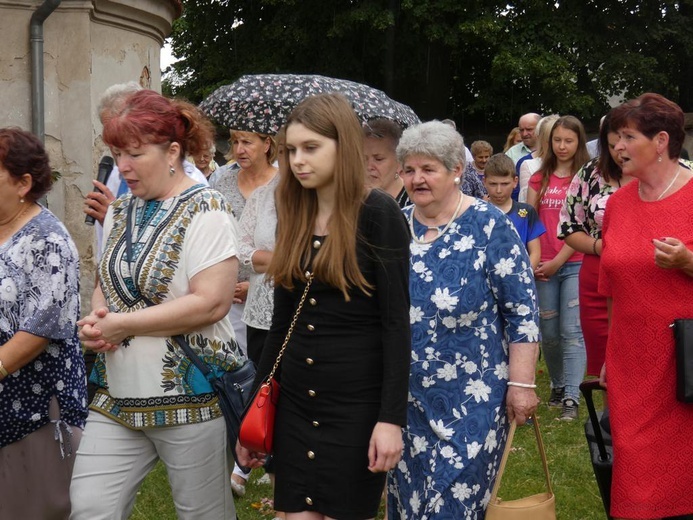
(440,232)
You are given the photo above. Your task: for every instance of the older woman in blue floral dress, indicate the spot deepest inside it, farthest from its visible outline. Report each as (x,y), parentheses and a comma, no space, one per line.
(475,328)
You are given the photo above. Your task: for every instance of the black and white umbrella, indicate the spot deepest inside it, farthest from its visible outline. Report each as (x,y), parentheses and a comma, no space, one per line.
(262,102)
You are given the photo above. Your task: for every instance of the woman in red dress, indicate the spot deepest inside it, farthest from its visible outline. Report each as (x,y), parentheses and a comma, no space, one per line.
(647,272)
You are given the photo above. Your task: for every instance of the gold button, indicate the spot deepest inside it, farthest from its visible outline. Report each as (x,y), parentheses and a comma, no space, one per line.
(310,327)
(311,393)
(317,244)
(313,301)
(311,455)
(316,424)
(310,361)
(309,501)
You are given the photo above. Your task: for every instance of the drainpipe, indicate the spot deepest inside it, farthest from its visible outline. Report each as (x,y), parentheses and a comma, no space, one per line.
(37,96)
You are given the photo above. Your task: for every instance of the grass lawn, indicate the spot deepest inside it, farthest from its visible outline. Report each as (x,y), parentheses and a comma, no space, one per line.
(577,496)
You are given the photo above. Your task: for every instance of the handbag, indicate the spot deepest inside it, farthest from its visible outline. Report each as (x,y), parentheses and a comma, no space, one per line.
(541,506)
(683,345)
(233,389)
(257,428)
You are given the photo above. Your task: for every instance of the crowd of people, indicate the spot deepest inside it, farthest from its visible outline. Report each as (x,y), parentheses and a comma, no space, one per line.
(427,279)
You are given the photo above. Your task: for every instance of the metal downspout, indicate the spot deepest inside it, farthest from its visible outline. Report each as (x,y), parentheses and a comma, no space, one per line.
(37,94)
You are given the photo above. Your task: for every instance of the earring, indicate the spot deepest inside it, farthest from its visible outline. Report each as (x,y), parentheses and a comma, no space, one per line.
(172,171)
(21,201)
(396,175)
(659,159)
(457,181)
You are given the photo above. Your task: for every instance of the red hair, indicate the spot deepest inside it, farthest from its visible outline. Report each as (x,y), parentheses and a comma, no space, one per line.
(650,114)
(149,118)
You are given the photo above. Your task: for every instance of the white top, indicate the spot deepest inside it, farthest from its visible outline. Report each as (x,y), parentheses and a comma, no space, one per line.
(527,169)
(258,232)
(468,157)
(113,184)
(173,240)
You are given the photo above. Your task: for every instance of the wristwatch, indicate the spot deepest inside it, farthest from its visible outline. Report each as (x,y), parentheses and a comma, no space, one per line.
(3,371)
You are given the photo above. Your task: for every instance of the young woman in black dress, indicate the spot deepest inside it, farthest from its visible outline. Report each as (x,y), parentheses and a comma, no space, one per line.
(344,375)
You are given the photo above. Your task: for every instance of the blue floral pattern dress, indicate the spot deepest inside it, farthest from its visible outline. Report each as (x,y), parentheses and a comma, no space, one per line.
(472,293)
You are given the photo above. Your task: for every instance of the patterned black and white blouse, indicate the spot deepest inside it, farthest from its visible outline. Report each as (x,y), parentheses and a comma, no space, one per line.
(39,294)
(149,381)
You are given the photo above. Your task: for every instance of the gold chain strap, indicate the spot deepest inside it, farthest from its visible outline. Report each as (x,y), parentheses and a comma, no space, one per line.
(291,327)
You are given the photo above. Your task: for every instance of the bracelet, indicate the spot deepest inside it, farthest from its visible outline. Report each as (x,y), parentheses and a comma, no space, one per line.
(521,385)
(3,371)
(594,247)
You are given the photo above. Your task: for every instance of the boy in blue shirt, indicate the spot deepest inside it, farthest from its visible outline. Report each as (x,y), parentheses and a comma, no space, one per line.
(500,180)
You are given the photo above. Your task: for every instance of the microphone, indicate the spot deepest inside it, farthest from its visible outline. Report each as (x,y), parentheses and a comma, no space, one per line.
(105,169)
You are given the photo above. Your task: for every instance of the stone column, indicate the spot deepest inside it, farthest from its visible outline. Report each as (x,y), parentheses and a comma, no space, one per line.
(88,46)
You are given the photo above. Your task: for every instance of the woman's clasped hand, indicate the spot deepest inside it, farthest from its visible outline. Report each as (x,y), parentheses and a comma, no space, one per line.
(99,330)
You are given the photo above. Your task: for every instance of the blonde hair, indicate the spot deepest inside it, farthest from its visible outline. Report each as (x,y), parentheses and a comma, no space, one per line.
(543,133)
(271,153)
(478,147)
(510,141)
(335,264)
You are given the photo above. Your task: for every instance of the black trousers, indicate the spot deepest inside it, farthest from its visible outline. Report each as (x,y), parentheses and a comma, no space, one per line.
(256,342)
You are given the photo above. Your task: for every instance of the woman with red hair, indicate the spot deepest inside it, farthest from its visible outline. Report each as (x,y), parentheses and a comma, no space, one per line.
(646,271)
(168,261)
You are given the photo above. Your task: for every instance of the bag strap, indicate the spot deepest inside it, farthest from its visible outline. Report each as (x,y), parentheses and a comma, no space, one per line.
(508,446)
(178,338)
(291,327)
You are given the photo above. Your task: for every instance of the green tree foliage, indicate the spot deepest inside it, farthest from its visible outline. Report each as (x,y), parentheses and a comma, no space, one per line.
(482,62)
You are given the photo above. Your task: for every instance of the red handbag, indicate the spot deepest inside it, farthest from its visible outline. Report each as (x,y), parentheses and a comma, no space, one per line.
(257,427)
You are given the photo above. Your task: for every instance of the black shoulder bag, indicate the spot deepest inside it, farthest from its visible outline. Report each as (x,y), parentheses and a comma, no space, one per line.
(683,342)
(233,388)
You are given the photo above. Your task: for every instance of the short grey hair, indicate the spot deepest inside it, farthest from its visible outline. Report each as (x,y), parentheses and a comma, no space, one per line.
(433,139)
(114,95)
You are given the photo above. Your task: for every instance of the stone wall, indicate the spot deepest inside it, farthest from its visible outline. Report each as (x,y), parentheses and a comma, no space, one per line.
(88,46)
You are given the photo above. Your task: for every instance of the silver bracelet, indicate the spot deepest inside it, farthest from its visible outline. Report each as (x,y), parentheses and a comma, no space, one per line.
(521,385)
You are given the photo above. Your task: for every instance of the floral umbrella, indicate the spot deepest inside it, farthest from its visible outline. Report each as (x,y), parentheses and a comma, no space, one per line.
(262,102)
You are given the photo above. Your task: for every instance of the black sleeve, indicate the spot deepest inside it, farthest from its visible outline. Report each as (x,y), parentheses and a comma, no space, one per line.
(388,237)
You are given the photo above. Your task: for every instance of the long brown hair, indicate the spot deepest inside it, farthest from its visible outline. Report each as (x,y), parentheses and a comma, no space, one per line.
(550,162)
(335,264)
(608,168)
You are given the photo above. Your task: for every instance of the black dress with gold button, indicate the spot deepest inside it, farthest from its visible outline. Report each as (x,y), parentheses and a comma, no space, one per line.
(345,368)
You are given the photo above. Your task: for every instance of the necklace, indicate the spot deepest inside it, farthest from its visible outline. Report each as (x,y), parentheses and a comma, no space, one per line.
(8,226)
(440,232)
(678,171)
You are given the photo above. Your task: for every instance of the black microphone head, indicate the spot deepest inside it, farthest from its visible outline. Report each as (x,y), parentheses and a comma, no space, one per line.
(106,160)
(104,172)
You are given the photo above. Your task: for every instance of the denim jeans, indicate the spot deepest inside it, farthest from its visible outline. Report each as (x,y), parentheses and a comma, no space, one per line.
(561,334)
